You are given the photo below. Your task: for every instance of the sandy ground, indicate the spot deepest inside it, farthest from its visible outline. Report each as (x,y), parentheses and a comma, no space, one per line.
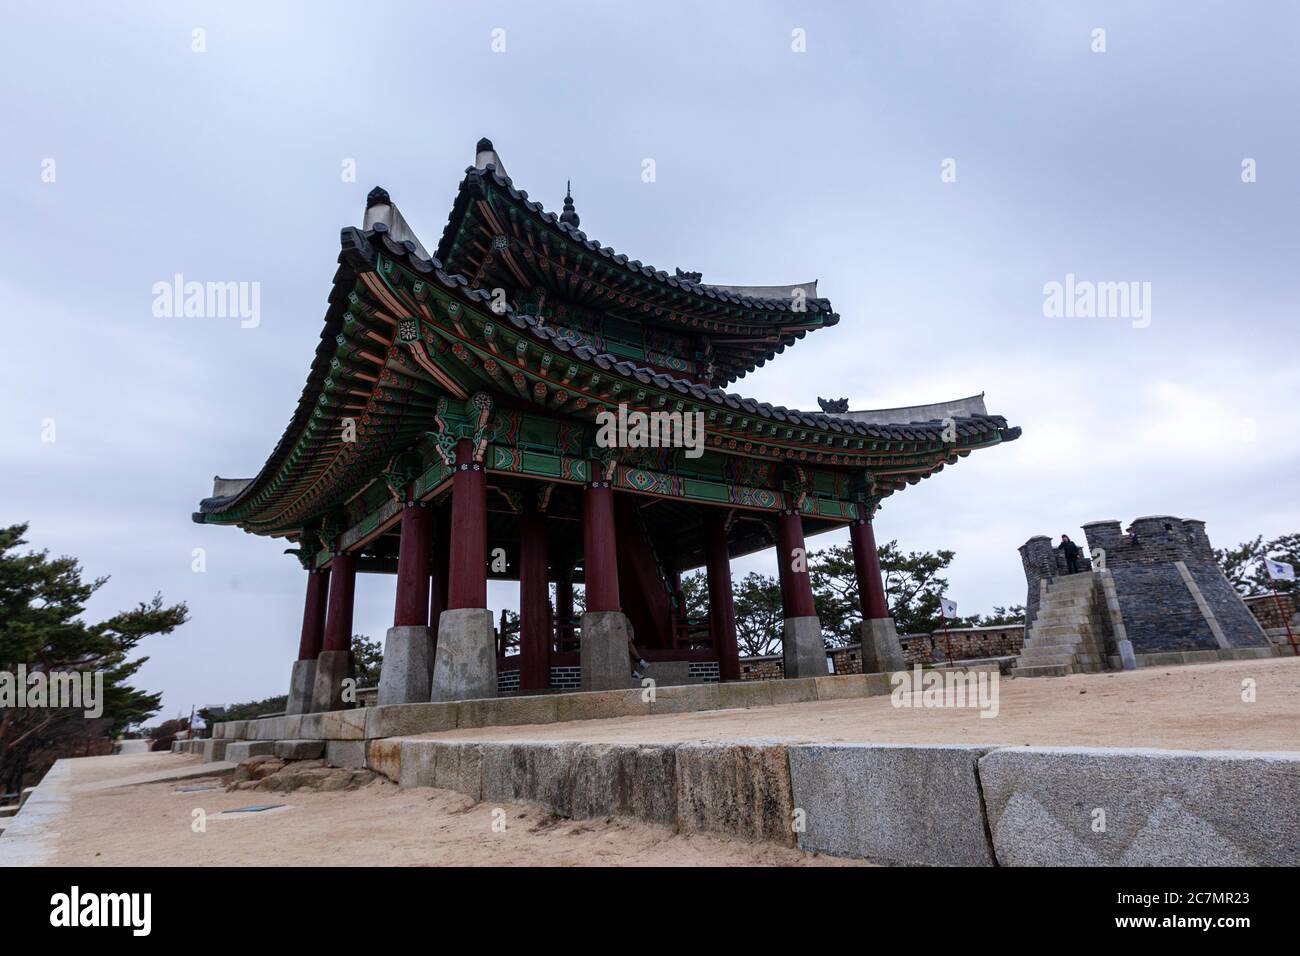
(151,824)
(1193,707)
(1196,707)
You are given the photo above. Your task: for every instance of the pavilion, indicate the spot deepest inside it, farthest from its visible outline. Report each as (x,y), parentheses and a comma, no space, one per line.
(447,434)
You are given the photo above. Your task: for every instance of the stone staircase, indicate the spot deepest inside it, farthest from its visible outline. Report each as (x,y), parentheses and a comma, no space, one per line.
(1067,636)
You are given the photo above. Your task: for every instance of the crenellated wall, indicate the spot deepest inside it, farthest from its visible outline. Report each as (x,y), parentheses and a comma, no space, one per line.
(1172,594)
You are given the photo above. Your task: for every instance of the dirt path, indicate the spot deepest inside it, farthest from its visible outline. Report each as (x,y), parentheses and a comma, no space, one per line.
(1196,707)
(150,824)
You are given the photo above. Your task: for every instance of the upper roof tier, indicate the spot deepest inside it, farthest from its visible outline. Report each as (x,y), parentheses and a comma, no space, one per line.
(498,238)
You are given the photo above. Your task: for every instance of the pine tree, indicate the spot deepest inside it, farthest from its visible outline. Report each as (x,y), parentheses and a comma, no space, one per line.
(42,600)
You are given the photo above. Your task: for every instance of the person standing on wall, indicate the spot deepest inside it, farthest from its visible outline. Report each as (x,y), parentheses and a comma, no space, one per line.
(1071,552)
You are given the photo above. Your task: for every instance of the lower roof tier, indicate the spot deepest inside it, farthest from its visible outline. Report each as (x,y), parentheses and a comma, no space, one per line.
(412,359)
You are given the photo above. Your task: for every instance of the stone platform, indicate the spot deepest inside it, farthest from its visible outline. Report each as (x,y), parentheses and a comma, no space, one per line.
(371,723)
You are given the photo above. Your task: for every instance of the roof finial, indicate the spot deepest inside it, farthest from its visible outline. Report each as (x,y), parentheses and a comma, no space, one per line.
(485,155)
(834,406)
(570,215)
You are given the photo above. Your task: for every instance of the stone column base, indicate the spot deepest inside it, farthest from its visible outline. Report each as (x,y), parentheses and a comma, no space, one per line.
(802,647)
(465,666)
(881,651)
(407,672)
(1127,659)
(603,652)
(301,683)
(332,668)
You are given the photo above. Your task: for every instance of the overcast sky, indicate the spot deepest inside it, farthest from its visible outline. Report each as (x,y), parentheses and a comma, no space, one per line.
(772,166)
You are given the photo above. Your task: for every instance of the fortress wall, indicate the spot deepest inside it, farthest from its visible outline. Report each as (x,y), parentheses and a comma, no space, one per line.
(1238,624)
(1159,612)
(1172,595)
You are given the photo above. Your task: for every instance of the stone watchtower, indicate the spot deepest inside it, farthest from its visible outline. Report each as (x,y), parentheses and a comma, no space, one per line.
(1154,595)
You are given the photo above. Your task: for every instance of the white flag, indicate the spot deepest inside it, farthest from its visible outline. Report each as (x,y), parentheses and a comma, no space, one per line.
(949,608)
(1279,570)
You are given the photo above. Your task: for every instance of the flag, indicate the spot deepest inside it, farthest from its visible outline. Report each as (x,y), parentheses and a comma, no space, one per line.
(1279,570)
(948,607)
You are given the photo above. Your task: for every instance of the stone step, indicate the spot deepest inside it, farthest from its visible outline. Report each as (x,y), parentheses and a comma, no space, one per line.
(1074,604)
(1061,600)
(1070,592)
(1081,613)
(1068,597)
(1061,625)
(1062,620)
(1066,637)
(1043,670)
(1044,660)
(1086,660)
(1066,601)
(1060,657)
(1062,646)
(1083,610)
(1072,631)
(1072,588)
(1073,607)
(1070,638)
(1058,640)
(1083,574)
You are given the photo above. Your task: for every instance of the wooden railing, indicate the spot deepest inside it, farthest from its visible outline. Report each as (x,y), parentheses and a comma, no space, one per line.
(688,634)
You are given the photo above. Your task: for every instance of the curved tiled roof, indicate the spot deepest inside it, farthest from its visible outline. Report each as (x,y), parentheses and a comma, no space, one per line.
(356,251)
(476,177)
(357,256)
(913,431)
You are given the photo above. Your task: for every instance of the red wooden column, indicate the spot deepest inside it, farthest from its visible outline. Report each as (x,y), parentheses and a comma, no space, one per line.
(412,605)
(606,630)
(881,650)
(343,586)
(334,662)
(534,600)
(465,661)
(600,547)
(796,586)
(802,648)
(467,579)
(313,614)
(722,610)
(302,677)
(866,563)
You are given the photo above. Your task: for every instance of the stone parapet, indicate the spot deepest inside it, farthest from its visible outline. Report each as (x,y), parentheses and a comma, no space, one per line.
(941,805)
(908,805)
(371,723)
(1080,806)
